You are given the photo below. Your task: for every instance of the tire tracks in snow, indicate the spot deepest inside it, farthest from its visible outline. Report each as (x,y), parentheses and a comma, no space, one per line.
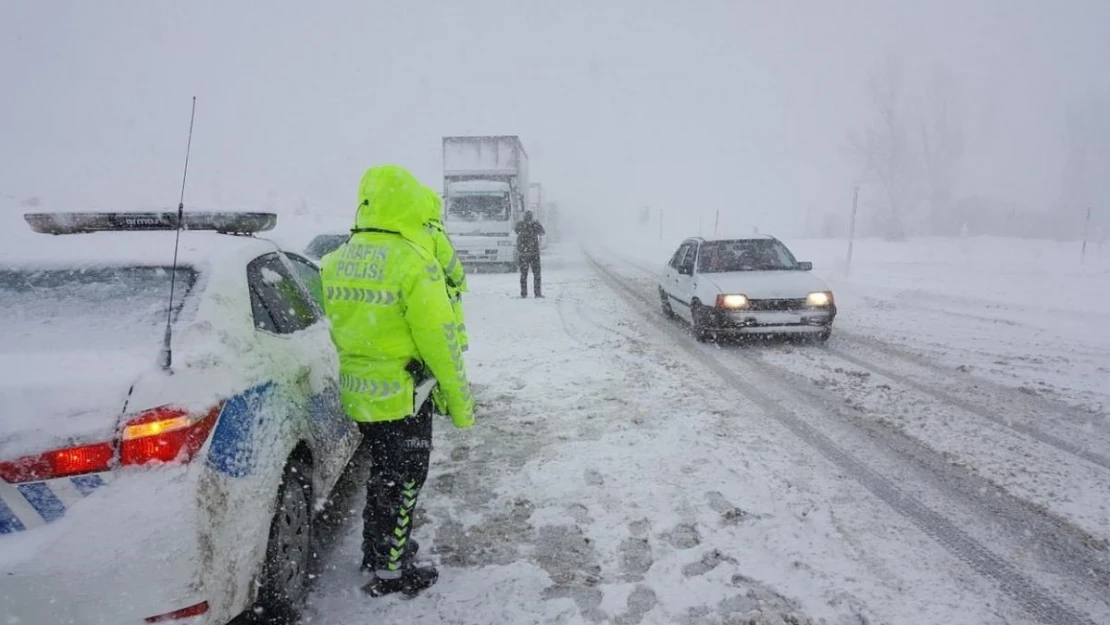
(1051,440)
(1071,414)
(1031,596)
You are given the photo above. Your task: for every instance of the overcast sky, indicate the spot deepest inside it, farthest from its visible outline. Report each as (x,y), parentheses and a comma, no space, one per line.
(692,105)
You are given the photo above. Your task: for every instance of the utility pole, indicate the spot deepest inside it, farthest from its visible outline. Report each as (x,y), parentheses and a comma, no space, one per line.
(699,225)
(660,228)
(1086,235)
(852,229)
(716,222)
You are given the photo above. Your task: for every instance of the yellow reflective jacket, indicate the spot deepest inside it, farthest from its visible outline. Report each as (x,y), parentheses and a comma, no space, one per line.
(444,253)
(385,295)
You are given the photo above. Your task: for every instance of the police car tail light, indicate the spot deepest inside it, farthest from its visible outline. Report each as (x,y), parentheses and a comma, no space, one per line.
(58,463)
(166,434)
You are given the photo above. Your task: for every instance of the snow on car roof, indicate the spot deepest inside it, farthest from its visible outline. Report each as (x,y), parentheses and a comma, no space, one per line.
(123,248)
(739,237)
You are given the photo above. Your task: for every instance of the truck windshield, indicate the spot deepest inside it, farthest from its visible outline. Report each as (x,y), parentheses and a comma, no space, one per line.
(484,207)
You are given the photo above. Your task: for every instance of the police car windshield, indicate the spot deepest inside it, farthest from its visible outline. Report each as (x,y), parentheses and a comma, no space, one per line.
(745,255)
(87,309)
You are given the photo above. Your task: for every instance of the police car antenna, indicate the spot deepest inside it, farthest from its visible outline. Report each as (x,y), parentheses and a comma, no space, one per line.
(167,353)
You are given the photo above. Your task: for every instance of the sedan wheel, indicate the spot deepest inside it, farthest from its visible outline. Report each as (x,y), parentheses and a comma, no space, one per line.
(285,573)
(668,312)
(700,315)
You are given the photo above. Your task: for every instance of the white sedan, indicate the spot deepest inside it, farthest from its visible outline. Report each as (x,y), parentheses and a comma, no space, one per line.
(140,484)
(750,285)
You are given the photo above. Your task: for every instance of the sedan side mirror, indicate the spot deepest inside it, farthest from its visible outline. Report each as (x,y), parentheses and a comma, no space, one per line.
(805,266)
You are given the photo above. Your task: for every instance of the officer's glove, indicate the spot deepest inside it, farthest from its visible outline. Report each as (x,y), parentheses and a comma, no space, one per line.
(462,413)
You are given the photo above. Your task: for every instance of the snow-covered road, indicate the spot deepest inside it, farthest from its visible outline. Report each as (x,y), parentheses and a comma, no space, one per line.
(621,473)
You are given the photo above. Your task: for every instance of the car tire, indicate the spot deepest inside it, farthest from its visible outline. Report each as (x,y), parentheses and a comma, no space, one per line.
(823,335)
(285,573)
(702,333)
(668,312)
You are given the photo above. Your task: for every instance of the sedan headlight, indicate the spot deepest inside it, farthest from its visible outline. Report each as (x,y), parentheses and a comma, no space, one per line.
(819,299)
(732,302)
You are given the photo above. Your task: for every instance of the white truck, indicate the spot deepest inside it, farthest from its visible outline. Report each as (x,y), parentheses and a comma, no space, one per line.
(485,184)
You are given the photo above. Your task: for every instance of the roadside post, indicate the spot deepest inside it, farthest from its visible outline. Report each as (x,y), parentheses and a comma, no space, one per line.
(660,228)
(852,229)
(1086,235)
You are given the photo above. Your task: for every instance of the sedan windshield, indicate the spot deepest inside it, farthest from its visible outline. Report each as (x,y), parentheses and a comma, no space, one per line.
(745,255)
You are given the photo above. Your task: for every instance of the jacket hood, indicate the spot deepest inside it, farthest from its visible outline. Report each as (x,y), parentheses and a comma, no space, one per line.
(434,207)
(390,198)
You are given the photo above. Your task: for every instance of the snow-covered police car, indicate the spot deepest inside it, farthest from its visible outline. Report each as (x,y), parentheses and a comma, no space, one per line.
(750,285)
(161,459)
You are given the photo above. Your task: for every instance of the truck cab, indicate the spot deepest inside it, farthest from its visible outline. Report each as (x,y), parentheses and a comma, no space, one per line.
(480,216)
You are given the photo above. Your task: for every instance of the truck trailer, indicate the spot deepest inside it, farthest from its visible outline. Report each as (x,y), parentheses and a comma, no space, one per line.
(485,188)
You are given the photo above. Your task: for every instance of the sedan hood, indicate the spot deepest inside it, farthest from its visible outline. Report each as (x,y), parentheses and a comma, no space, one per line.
(56,399)
(766,284)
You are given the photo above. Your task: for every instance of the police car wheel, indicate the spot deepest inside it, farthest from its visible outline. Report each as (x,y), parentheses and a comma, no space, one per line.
(288,553)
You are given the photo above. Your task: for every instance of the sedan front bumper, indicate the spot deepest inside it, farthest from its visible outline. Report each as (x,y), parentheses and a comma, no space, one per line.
(803,321)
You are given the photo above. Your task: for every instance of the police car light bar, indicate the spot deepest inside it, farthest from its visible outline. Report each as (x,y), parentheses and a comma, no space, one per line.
(79,223)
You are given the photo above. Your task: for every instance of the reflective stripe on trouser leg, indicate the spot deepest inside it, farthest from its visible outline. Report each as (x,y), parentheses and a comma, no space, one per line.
(403,528)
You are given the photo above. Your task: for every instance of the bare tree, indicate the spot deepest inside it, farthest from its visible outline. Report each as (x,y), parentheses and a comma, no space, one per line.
(942,144)
(884,151)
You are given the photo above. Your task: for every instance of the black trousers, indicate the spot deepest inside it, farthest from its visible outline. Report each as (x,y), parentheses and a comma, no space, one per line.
(399,452)
(533,261)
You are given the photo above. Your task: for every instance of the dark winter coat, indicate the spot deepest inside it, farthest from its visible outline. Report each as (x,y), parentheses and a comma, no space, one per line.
(528,235)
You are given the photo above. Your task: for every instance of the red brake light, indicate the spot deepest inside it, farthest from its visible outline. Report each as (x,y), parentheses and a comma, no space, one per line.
(193,610)
(166,434)
(160,435)
(58,463)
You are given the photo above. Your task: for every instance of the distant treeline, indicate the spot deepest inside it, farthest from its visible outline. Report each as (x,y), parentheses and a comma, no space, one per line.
(974,216)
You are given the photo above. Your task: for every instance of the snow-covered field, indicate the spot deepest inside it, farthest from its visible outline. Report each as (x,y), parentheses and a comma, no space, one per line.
(621,473)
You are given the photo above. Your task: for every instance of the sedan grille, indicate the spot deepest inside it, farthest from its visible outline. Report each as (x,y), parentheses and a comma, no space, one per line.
(777,304)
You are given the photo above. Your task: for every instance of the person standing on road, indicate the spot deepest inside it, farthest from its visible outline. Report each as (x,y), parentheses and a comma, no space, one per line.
(453,270)
(528,233)
(393,326)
